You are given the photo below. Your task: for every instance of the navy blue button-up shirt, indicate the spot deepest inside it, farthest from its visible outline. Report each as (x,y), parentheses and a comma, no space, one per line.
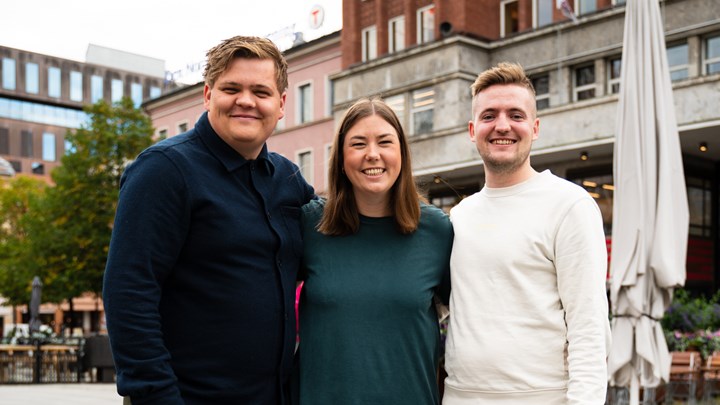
(200,278)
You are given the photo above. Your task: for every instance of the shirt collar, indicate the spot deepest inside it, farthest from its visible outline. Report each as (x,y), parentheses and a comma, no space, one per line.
(224,152)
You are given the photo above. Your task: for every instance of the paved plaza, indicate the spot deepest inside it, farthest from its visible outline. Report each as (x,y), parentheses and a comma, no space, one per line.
(59,394)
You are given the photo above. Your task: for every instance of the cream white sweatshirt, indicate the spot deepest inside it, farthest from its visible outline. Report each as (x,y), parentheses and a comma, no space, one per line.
(528,309)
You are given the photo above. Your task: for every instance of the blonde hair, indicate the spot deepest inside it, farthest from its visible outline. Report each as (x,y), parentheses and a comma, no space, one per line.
(503,73)
(220,57)
(341,216)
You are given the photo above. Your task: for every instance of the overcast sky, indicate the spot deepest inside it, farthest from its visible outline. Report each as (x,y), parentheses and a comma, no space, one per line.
(178,32)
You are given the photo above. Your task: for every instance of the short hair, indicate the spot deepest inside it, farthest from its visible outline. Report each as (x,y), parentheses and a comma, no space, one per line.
(503,73)
(220,56)
(341,216)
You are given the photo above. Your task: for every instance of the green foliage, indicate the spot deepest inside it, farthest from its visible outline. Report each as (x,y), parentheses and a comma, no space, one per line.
(71,227)
(17,196)
(693,323)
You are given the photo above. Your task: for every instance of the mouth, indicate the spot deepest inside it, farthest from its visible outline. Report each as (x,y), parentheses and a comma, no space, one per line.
(503,141)
(374,171)
(244,116)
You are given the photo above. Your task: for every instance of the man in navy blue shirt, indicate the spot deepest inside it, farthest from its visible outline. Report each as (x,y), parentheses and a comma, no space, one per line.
(200,279)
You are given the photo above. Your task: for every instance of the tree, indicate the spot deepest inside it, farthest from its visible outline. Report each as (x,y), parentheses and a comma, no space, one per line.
(72,226)
(17,196)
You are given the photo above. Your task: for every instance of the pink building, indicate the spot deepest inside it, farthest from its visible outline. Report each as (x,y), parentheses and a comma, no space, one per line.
(304,135)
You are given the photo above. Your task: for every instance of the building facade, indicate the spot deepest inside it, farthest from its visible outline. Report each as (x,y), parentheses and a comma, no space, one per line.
(423,55)
(42,97)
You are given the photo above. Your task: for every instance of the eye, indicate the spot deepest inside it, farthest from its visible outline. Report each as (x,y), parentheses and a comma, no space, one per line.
(487,117)
(386,142)
(357,144)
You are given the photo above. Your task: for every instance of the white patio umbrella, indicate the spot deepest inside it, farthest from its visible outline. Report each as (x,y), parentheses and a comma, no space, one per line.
(650,211)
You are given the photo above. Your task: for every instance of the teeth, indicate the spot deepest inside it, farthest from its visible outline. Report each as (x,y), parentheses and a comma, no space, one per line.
(373,172)
(503,142)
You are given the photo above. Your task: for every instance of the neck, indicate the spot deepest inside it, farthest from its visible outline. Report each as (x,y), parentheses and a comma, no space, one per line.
(373,206)
(495,179)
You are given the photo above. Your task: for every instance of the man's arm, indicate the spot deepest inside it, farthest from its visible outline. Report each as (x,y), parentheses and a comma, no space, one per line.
(150,226)
(581,264)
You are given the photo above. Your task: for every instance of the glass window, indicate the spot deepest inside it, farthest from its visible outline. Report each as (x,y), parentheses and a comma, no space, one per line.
(54,82)
(712,55)
(369,43)
(136,94)
(614,65)
(305,103)
(42,113)
(678,61)
(397,103)
(182,127)
(96,89)
(76,86)
(32,78)
(304,162)
(544,12)
(162,134)
(509,17)
(26,144)
(699,193)
(8,73)
(542,91)
(116,90)
(4,141)
(396,34)
(426,24)
(38,168)
(423,102)
(584,82)
(586,6)
(155,91)
(48,147)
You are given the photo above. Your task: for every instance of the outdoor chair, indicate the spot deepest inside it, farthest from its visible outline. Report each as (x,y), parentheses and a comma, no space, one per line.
(684,376)
(711,376)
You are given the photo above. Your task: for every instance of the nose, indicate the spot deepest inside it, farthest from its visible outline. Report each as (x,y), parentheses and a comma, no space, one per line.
(502,124)
(372,152)
(245,99)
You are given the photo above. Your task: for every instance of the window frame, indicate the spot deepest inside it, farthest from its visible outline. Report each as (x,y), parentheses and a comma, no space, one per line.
(685,67)
(49,154)
(368,44)
(97,88)
(54,82)
(577,89)
(707,61)
(396,44)
(503,7)
(541,97)
(76,84)
(301,102)
(9,74)
(32,74)
(420,24)
(427,105)
(309,176)
(613,81)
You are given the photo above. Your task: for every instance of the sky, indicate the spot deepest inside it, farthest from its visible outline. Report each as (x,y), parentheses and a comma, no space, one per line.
(179,32)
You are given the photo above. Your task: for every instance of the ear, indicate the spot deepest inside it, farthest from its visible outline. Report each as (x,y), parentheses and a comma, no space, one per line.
(283,98)
(471,131)
(206,96)
(536,129)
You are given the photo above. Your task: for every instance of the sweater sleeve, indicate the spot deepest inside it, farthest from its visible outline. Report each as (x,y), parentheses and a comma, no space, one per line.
(581,264)
(151,222)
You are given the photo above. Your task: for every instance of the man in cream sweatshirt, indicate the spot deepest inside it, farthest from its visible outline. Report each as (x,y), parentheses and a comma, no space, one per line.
(529,312)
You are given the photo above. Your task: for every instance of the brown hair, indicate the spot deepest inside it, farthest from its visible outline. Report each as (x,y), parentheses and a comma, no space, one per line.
(341,216)
(220,56)
(503,73)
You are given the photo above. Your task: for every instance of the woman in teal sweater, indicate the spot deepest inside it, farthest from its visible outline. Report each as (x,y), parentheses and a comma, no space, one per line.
(375,255)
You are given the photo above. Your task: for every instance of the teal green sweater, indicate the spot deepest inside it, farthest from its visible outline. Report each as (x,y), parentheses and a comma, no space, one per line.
(368,327)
